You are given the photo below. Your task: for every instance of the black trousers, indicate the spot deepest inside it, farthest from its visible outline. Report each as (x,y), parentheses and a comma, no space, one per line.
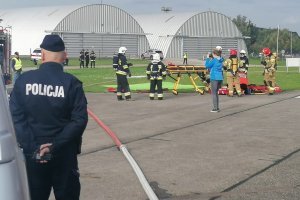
(82,64)
(93,63)
(156,83)
(61,174)
(123,85)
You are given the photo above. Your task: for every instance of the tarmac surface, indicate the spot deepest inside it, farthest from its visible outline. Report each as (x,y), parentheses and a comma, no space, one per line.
(250,150)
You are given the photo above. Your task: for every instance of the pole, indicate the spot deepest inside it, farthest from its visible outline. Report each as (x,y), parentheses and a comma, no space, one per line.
(277,39)
(292,44)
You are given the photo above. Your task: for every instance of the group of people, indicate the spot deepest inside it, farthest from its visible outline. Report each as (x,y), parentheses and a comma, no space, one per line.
(156,73)
(49,109)
(235,68)
(85,58)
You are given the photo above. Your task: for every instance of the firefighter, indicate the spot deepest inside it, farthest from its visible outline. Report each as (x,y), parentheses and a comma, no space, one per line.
(16,66)
(81,58)
(270,65)
(49,111)
(231,66)
(87,58)
(93,59)
(156,72)
(185,57)
(121,67)
(243,71)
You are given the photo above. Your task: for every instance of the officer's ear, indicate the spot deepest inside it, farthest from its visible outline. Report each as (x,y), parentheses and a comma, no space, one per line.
(43,55)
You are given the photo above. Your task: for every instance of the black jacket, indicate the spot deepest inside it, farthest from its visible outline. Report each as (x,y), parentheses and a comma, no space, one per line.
(48,106)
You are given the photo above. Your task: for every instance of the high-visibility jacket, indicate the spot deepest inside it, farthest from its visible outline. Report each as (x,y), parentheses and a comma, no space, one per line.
(18,64)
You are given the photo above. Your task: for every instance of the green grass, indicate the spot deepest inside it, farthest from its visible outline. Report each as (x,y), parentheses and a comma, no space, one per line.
(98,79)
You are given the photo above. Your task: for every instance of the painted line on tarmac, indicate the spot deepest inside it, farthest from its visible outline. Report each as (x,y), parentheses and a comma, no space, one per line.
(256,174)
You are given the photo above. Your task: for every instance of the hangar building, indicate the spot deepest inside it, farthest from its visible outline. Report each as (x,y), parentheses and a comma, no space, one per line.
(104,28)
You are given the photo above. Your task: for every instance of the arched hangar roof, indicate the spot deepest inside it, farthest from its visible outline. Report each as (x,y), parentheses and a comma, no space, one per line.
(30,25)
(166,27)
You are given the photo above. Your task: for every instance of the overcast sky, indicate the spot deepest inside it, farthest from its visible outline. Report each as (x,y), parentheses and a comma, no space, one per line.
(262,13)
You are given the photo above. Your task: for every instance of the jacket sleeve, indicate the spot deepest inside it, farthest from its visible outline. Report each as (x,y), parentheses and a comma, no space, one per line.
(13,63)
(78,120)
(209,63)
(24,134)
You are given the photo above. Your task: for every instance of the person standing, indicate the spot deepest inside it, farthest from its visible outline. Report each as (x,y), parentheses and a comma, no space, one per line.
(231,66)
(270,65)
(215,66)
(122,71)
(81,59)
(93,59)
(87,58)
(49,112)
(185,57)
(156,72)
(243,71)
(16,64)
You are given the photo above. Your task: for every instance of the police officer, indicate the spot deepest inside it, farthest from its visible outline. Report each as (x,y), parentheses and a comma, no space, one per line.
(156,72)
(231,66)
(93,59)
(81,58)
(16,64)
(122,71)
(270,65)
(49,111)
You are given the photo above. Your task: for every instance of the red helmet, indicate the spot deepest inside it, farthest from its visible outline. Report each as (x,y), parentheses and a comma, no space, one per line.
(266,51)
(233,52)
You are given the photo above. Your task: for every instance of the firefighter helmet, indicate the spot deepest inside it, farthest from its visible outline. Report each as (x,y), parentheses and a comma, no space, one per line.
(219,48)
(242,51)
(233,52)
(156,56)
(122,50)
(266,51)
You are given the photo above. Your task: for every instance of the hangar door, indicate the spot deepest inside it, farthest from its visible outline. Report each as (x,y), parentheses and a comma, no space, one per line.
(199,47)
(104,45)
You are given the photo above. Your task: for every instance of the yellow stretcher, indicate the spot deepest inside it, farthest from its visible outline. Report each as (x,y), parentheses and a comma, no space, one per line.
(179,70)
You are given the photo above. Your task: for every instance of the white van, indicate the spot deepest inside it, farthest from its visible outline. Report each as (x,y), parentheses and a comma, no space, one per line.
(13,181)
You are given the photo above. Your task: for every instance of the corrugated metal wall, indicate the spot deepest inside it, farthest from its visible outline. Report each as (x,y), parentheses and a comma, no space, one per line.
(102,28)
(204,31)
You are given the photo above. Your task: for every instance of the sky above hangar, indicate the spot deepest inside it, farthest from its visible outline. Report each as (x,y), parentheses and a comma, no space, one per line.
(262,13)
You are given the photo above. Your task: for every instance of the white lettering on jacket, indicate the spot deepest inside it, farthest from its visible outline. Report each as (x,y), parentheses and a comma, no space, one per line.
(45,90)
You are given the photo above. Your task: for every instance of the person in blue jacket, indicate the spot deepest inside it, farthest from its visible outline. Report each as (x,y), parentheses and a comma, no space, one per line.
(214,64)
(49,111)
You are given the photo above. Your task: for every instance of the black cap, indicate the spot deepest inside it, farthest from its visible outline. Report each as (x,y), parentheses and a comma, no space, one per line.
(53,43)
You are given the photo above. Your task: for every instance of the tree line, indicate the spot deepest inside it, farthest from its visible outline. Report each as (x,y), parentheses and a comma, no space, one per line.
(288,42)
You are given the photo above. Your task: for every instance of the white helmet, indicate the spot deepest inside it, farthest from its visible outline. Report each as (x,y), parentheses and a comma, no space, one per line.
(156,56)
(219,48)
(122,50)
(242,51)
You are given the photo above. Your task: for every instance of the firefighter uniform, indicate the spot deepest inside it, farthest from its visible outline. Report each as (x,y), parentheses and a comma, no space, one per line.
(87,58)
(270,66)
(243,71)
(49,106)
(122,70)
(93,59)
(156,72)
(81,59)
(231,66)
